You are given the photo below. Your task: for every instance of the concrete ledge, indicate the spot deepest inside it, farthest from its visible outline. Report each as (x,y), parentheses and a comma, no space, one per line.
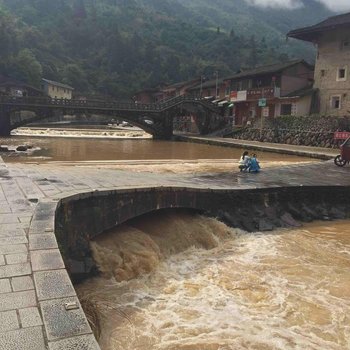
(302,151)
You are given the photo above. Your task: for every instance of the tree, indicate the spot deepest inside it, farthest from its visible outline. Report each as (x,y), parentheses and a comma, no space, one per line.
(75,76)
(27,68)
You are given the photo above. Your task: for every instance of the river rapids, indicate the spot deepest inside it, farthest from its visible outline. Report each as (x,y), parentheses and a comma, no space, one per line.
(180,281)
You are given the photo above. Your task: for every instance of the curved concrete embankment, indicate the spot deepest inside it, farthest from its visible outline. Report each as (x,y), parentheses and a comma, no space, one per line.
(82,217)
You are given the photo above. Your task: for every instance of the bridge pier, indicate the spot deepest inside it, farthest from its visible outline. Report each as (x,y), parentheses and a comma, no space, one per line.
(166,128)
(5,124)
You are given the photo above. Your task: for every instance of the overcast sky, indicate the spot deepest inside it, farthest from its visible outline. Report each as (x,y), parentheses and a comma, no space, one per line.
(335,5)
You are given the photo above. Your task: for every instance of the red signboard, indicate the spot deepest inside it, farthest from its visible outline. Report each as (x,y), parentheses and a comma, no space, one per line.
(341,135)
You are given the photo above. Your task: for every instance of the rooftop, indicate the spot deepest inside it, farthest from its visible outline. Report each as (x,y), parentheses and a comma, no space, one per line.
(51,82)
(311,33)
(207,84)
(273,68)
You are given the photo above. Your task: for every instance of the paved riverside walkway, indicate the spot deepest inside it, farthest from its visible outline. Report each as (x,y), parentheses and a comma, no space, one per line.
(35,289)
(304,151)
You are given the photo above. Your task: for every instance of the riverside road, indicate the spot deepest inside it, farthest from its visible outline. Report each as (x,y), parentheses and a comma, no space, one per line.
(38,304)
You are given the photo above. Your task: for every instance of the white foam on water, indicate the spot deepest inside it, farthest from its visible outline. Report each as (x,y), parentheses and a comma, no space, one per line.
(289,289)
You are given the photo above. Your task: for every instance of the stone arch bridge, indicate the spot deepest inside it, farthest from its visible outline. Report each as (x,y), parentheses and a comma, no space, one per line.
(155,118)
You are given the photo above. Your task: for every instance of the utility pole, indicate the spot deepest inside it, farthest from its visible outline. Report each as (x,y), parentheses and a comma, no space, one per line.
(262,112)
(200,92)
(217,83)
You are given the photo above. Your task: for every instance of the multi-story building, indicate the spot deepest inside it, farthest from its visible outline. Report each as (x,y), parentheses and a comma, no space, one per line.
(57,90)
(271,91)
(332,70)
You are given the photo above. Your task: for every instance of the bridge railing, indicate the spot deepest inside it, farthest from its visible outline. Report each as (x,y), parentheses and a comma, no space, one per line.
(98,104)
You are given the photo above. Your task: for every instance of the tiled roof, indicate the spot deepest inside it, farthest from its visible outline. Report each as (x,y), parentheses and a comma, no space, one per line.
(302,92)
(64,86)
(207,84)
(308,33)
(274,68)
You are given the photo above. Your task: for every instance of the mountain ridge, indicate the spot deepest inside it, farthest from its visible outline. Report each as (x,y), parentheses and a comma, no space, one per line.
(116,47)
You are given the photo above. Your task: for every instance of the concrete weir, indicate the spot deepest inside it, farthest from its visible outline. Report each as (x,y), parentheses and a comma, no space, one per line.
(48,215)
(80,218)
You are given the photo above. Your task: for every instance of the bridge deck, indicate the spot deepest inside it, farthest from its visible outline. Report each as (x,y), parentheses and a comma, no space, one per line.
(34,284)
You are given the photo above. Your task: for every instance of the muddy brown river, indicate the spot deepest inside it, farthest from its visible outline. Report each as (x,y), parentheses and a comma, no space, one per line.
(68,149)
(176,281)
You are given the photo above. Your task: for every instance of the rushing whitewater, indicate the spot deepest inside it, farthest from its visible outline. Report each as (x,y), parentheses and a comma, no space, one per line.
(178,281)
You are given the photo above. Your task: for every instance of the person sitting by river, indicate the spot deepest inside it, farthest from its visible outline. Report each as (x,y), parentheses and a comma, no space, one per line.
(254,166)
(244,162)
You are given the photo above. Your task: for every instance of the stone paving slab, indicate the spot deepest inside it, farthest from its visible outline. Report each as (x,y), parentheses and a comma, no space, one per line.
(60,323)
(44,260)
(23,339)
(30,317)
(22,283)
(53,284)
(83,342)
(17,300)
(8,321)
(5,286)
(43,241)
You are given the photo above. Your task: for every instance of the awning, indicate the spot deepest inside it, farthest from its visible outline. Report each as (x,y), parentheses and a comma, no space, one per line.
(218,100)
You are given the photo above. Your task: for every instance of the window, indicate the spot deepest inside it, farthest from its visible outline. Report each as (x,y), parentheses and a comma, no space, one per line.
(341,75)
(335,102)
(286,109)
(323,72)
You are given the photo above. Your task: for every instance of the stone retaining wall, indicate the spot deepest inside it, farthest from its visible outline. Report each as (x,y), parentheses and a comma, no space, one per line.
(308,131)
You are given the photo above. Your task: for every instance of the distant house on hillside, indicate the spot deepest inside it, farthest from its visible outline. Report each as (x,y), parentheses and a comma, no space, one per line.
(214,88)
(332,69)
(13,87)
(179,89)
(165,92)
(148,96)
(271,91)
(56,90)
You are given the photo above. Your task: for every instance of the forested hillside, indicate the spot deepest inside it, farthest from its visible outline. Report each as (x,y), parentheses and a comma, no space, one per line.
(117,47)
